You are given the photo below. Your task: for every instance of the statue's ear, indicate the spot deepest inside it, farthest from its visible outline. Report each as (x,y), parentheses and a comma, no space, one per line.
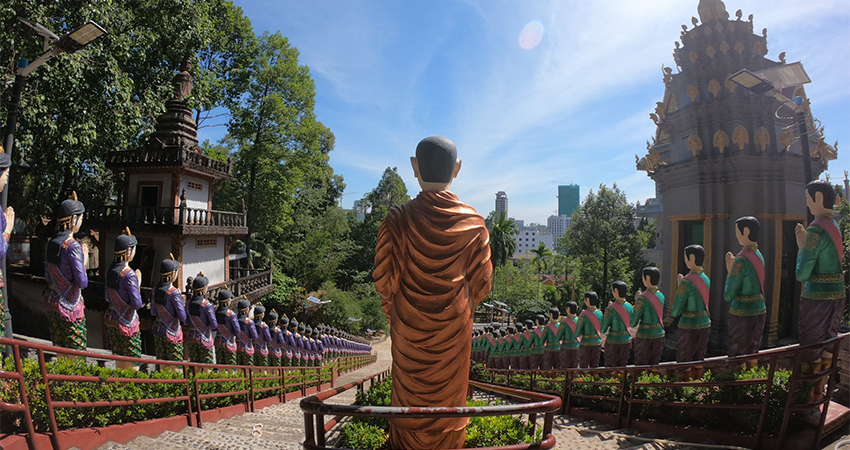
(415,165)
(457,167)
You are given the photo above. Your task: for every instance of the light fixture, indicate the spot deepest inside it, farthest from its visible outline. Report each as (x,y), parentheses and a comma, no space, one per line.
(80,37)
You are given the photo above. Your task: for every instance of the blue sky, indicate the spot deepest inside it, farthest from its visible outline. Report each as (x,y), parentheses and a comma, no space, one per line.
(572,108)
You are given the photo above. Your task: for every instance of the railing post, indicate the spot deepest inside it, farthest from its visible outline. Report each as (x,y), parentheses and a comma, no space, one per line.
(22,389)
(303,382)
(188,395)
(320,430)
(251,390)
(767,388)
(51,414)
(282,385)
(624,374)
(197,393)
(310,437)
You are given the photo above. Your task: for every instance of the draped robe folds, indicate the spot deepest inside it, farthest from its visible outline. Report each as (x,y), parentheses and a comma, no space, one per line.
(432,268)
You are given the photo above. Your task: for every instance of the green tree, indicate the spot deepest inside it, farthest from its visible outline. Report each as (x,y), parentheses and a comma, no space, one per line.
(503,245)
(602,239)
(389,192)
(541,262)
(75,109)
(280,141)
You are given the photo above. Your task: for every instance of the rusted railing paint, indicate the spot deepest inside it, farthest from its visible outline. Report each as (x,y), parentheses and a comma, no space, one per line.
(309,375)
(315,410)
(774,357)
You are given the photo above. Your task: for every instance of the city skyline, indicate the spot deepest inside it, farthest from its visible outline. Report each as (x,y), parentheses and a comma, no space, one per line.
(566,101)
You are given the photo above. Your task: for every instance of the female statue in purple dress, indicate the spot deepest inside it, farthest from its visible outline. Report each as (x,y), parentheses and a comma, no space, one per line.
(261,349)
(7,222)
(202,322)
(65,271)
(228,329)
(247,335)
(124,298)
(169,312)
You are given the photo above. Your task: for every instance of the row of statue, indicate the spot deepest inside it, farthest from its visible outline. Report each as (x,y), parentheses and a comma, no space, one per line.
(576,339)
(226,335)
(433,267)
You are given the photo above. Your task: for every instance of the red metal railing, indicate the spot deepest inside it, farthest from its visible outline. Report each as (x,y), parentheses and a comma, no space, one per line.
(308,376)
(315,411)
(625,384)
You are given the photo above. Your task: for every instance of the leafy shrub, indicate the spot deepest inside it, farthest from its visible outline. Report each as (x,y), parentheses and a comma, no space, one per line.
(499,430)
(579,386)
(361,435)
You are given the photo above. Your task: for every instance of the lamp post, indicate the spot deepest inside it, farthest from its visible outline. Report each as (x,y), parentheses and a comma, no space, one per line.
(772,82)
(54,45)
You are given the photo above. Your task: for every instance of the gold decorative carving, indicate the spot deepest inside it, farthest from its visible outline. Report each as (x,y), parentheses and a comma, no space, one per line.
(731,85)
(741,137)
(693,93)
(714,87)
(724,47)
(762,138)
(719,27)
(693,56)
(673,104)
(757,48)
(708,31)
(710,51)
(739,47)
(694,144)
(721,140)
(787,138)
(663,136)
(731,26)
(651,162)
(659,111)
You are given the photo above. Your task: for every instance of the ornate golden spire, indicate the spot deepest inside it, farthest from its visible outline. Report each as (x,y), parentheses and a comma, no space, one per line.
(710,10)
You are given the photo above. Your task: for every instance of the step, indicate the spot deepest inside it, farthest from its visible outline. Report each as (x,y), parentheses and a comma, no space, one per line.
(148,443)
(290,436)
(284,420)
(112,446)
(200,439)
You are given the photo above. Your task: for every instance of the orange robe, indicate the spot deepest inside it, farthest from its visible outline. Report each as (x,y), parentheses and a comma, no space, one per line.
(432,268)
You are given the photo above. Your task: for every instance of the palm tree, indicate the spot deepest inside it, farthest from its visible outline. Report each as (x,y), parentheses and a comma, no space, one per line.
(503,233)
(541,261)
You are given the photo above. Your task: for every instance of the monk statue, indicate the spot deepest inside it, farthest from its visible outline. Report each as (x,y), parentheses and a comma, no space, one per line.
(432,268)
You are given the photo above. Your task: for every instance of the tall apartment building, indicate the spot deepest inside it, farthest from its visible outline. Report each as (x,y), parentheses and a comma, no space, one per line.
(568,199)
(558,226)
(501,203)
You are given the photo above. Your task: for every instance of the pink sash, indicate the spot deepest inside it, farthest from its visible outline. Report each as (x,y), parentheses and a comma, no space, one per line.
(621,310)
(245,341)
(834,234)
(757,263)
(538,332)
(70,299)
(593,321)
(699,283)
(172,325)
(204,332)
(655,302)
(128,320)
(553,328)
(225,336)
(570,323)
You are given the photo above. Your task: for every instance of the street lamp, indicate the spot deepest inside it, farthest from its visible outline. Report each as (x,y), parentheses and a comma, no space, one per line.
(53,45)
(780,82)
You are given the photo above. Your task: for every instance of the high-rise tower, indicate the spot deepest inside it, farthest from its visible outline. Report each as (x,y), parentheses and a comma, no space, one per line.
(501,203)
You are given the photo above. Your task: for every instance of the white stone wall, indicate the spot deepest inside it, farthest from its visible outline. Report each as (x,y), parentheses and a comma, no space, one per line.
(196,199)
(210,260)
(137,179)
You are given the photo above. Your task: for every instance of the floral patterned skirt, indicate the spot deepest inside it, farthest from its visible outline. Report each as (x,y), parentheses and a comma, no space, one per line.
(260,359)
(198,353)
(244,359)
(223,355)
(124,345)
(66,334)
(274,361)
(166,350)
